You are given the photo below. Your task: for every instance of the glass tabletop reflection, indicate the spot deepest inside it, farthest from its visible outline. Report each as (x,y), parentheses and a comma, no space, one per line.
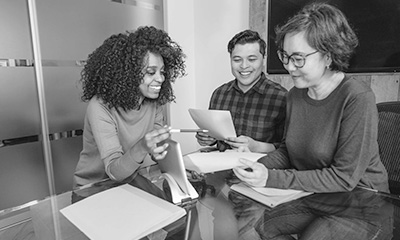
(359,214)
(221,213)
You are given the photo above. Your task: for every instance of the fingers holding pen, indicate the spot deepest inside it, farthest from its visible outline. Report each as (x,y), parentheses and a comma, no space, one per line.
(159,153)
(159,135)
(154,142)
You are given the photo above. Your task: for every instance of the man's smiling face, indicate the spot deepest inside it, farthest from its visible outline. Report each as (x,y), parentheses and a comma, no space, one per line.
(246,64)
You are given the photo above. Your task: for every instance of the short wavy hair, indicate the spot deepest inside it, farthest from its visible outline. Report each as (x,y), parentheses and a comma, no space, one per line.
(326,29)
(247,36)
(114,71)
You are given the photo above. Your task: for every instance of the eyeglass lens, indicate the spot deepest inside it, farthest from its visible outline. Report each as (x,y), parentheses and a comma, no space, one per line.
(297,59)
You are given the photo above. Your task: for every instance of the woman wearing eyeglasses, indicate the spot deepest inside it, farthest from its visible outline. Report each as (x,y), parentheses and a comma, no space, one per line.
(330,142)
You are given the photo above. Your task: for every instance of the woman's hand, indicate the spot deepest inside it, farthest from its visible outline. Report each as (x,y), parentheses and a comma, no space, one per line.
(204,140)
(153,142)
(256,174)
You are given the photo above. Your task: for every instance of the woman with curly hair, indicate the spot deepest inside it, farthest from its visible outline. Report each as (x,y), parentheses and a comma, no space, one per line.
(126,81)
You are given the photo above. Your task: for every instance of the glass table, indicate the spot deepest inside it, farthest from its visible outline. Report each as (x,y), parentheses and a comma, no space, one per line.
(230,215)
(219,213)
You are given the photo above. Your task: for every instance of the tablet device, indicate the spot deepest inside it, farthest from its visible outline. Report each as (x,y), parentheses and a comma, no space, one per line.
(173,165)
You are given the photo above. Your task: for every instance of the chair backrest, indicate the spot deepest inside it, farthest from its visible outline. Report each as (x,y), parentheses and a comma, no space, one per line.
(389,141)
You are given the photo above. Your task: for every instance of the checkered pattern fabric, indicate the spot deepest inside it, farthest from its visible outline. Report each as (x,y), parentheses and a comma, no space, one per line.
(259,113)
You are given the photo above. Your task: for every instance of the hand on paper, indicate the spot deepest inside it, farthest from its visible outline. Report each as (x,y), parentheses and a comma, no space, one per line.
(256,177)
(204,140)
(242,141)
(153,142)
(243,149)
(251,144)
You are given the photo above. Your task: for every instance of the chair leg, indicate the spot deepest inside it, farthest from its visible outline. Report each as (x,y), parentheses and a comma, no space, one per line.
(188,223)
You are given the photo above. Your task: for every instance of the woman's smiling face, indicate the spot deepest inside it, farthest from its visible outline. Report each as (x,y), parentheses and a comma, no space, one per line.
(153,76)
(314,68)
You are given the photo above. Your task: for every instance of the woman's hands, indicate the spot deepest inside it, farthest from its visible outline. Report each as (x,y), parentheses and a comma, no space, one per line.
(253,173)
(153,142)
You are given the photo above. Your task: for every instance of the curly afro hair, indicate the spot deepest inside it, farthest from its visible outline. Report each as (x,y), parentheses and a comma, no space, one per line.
(114,71)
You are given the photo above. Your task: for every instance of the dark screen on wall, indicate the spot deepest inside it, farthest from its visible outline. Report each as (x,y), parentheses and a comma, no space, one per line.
(376,23)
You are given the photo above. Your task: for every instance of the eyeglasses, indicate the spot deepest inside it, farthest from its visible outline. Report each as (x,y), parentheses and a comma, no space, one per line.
(298,59)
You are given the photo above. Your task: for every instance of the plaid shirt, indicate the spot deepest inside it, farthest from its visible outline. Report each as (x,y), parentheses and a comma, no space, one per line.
(259,113)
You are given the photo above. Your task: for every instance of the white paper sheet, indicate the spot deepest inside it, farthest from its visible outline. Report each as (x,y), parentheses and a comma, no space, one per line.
(271,197)
(123,212)
(218,122)
(207,162)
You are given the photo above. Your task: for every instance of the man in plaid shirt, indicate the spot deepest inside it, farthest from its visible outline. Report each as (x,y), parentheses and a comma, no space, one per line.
(256,103)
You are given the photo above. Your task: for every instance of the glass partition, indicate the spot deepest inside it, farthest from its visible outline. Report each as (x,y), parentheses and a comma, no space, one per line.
(68,31)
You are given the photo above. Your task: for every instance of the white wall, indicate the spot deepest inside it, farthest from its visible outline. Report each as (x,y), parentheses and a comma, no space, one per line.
(203,28)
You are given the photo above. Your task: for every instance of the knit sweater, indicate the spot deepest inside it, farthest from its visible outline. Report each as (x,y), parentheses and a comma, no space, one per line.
(111,141)
(329,145)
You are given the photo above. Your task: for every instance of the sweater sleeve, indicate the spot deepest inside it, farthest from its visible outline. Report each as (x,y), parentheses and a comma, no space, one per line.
(279,131)
(277,159)
(356,145)
(118,164)
(126,164)
(121,166)
(160,121)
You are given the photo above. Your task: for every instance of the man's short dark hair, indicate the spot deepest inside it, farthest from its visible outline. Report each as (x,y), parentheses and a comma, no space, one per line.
(247,36)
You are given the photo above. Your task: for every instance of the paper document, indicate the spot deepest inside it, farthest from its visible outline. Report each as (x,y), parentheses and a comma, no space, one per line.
(207,162)
(219,123)
(271,197)
(123,212)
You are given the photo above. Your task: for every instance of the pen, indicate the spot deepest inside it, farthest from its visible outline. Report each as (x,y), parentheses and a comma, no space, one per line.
(393,196)
(187,130)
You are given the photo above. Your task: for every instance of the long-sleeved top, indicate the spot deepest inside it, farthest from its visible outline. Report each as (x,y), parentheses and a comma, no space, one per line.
(258,113)
(111,139)
(330,145)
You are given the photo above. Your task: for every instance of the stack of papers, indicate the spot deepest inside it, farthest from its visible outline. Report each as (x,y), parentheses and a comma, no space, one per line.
(208,162)
(271,197)
(123,212)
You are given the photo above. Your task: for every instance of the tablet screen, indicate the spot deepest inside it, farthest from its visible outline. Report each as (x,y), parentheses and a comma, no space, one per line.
(173,165)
